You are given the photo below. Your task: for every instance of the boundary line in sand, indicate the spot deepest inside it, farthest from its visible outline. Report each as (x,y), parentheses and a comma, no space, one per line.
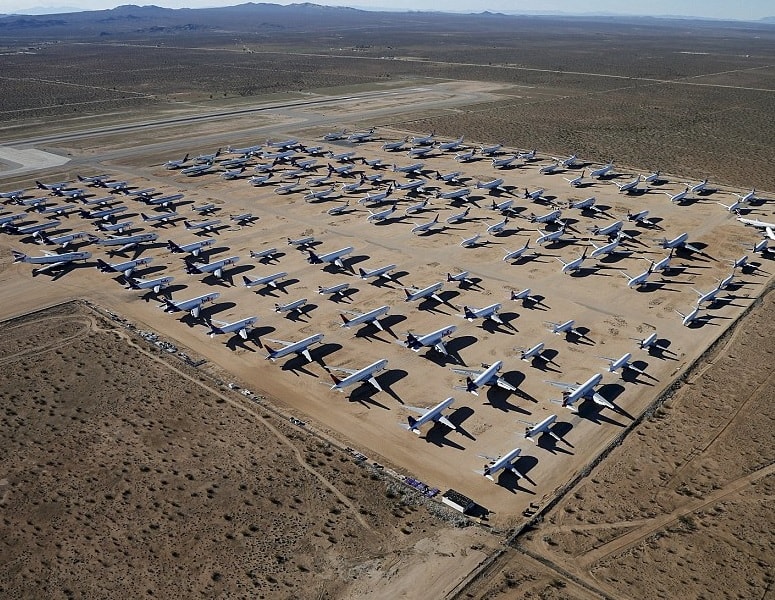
(682,377)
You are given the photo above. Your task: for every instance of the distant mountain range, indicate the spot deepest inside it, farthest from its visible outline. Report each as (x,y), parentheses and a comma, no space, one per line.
(252,18)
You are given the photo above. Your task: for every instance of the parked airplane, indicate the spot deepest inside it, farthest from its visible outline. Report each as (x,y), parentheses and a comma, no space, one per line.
(119,227)
(487,313)
(176,164)
(246,151)
(156,284)
(6,221)
(50,260)
(415,208)
(727,281)
(354,186)
(413,185)
(428,292)
(360,136)
(525,296)
(550,237)
(196,170)
(428,415)
(467,156)
(381,272)
(208,225)
(534,430)
(369,317)
(424,140)
(472,241)
(550,217)
(637,281)
(609,248)
(354,376)
(242,327)
(602,171)
(289,143)
(302,243)
(32,229)
(258,180)
(243,218)
(678,242)
(475,379)
(159,218)
(462,278)
(769,228)
(528,155)
(53,187)
(434,339)
(394,146)
(193,306)
(610,230)
(451,145)
(63,241)
(504,207)
(494,185)
(333,136)
(207,158)
(502,463)
(566,327)
(267,255)
(578,391)
(419,152)
(194,248)
(105,213)
(425,227)
(652,177)
(334,290)
(300,348)
(576,181)
(663,264)
(549,169)
(502,163)
(382,215)
(733,208)
(291,307)
(574,265)
(587,204)
(334,258)
(458,217)
(214,268)
(232,173)
(342,156)
(567,162)
(535,195)
(498,227)
(629,187)
(341,170)
(641,217)
(338,210)
(536,351)
(376,198)
(203,209)
(689,318)
(709,297)
(699,187)
(459,193)
(270,280)
(126,242)
(519,253)
(125,268)
(623,362)
(677,198)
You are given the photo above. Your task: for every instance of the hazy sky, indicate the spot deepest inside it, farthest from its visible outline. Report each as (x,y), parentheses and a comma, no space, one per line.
(722,9)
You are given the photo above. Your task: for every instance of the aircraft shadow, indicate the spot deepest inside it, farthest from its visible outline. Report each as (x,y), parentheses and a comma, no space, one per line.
(550,444)
(544,362)
(458,417)
(510,481)
(257,332)
(631,376)
(437,435)
(343,296)
(365,391)
(538,304)
(492,327)
(297,364)
(579,338)
(299,315)
(235,341)
(268,290)
(218,308)
(591,411)
(499,399)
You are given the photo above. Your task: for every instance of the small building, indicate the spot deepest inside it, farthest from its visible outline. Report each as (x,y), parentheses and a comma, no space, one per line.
(458,501)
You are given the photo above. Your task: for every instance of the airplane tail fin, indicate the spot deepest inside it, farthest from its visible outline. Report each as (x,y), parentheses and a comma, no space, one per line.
(190,269)
(187,224)
(18,256)
(471,386)
(335,379)
(345,319)
(246,281)
(469,315)
(103,266)
(363,273)
(313,258)
(145,217)
(173,247)
(412,422)
(449,277)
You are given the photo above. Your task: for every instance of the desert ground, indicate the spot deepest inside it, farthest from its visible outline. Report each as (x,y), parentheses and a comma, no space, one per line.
(387,541)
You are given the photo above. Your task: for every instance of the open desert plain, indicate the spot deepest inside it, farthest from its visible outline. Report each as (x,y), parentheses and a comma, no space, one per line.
(292,245)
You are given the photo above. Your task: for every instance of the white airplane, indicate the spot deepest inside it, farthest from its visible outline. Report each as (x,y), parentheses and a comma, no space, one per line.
(489,376)
(63,241)
(357,375)
(376,198)
(164,201)
(502,463)
(550,217)
(318,181)
(677,198)
(160,218)
(413,169)
(576,181)
(488,312)
(13,195)
(641,217)
(7,220)
(699,187)
(451,145)
(267,255)
(258,180)
(739,263)
(662,264)
(574,265)
(204,208)
(333,136)
(415,208)
(637,281)
(382,215)
(357,137)
(466,156)
(629,186)
(103,201)
(32,229)
(472,241)
(747,197)
(451,177)
(320,194)
(302,243)
(623,362)
(342,156)
(300,348)
(528,155)
(425,227)
(610,230)
(525,296)
(534,430)
(498,227)
(125,268)
(549,169)
(354,186)
(246,151)
(566,327)
(428,292)
(208,225)
(490,150)
(194,248)
(648,342)
(733,208)
(689,318)
(214,268)
(567,162)
(462,277)
(53,187)
(283,144)
(288,188)
(394,146)
(105,213)
(197,170)
(727,281)
(761,247)
(536,351)
(434,339)
(334,290)
(230,174)
(460,193)
(204,158)
(369,317)
(334,258)
(291,307)
(428,415)
(420,151)
(502,207)
(609,248)
(652,177)
(535,194)
(126,242)
(769,228)
(458,217)
(519,253)
(379,273)
(549,237)
(709,297)
(494,185)
(51,260)
(339,210)
(602,171)
(270,280)
(176,164)
(413,185)
(120,226)
(243,218)
(678,242)
(193,306)
(242,327)
(574,392)
(502,163)
(156,284)
(425,140)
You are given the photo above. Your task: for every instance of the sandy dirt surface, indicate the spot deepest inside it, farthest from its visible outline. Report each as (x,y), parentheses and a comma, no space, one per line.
(611,315)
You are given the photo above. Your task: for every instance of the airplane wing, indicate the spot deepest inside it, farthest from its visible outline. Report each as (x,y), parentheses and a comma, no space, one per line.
(467,372)
(51,266)
(440,347)
(568,387)
(770,232)
(283,342)
(341,370)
